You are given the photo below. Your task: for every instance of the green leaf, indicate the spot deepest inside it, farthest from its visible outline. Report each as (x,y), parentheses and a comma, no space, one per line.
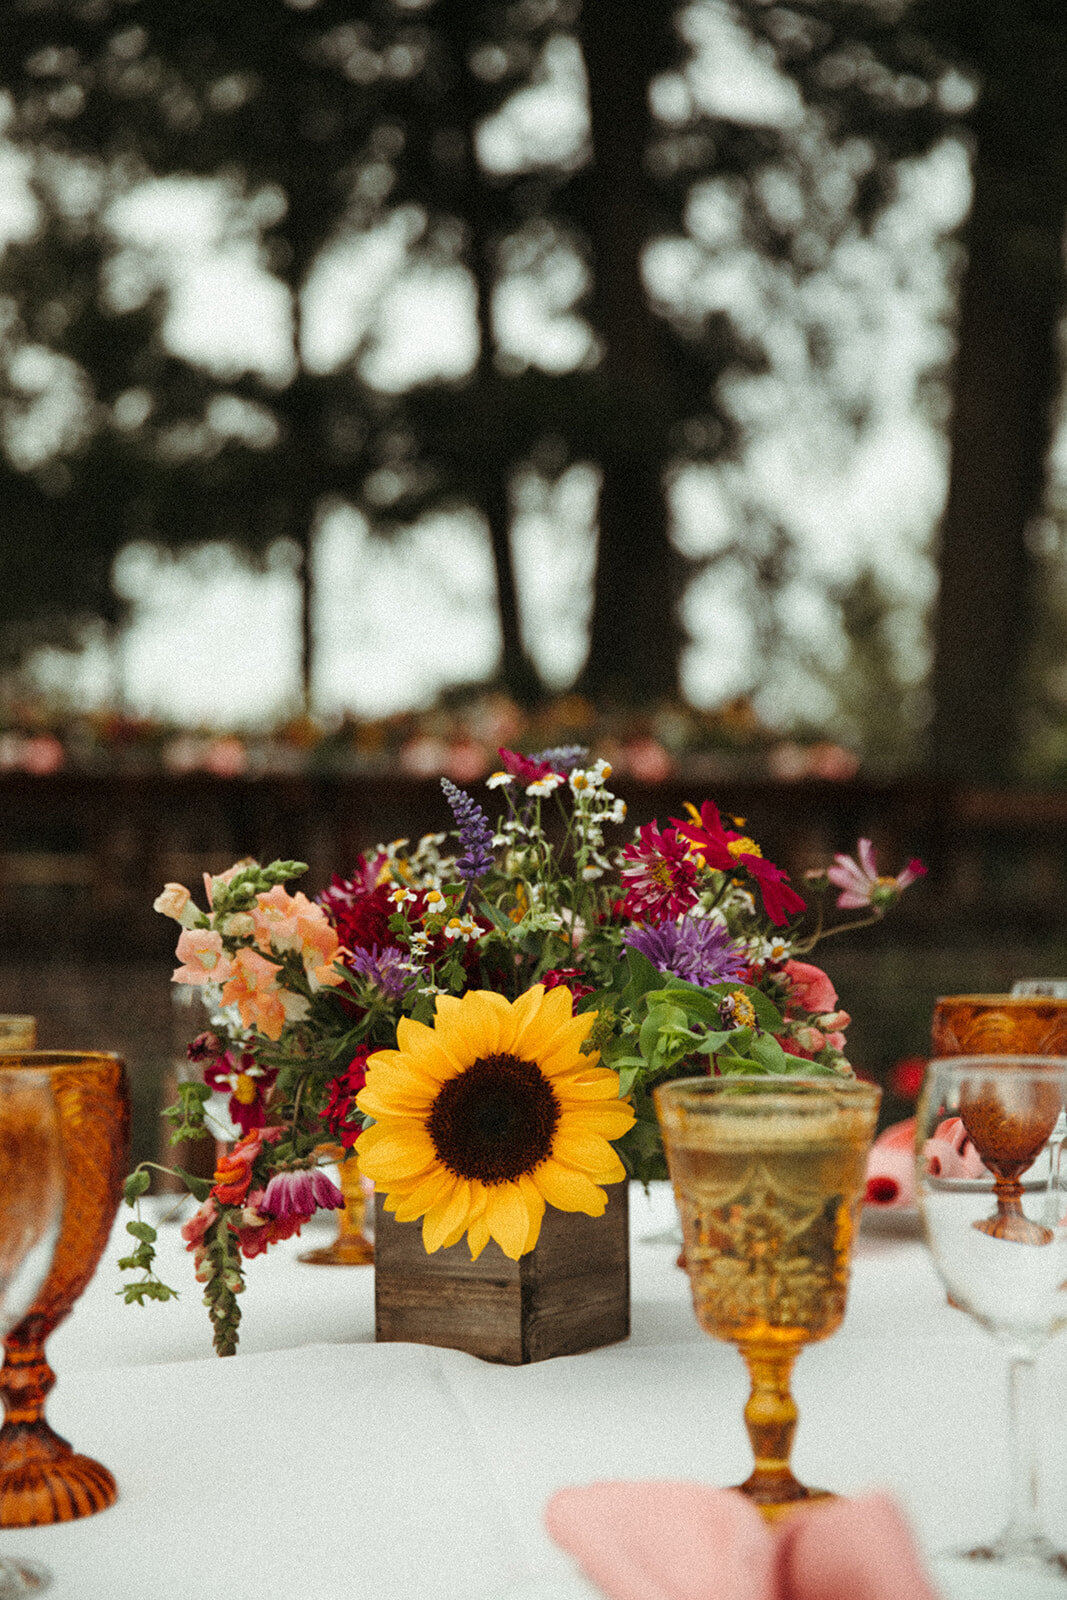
(641,978)
(142,1231)
(199,1188)
(137,1184)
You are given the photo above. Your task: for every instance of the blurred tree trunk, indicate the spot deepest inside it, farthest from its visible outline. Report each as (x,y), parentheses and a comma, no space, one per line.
(1006,381)
(635,637)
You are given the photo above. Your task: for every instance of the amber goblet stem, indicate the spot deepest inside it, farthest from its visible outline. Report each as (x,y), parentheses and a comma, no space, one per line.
(771,1420)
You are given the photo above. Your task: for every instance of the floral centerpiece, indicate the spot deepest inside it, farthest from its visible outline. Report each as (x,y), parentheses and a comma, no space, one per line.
(481,1016)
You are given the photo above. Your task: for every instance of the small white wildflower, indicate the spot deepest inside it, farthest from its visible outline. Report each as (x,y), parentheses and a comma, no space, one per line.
(461,928)
(399,895)
(543,786)
(497,780)
(590,873)
(435,902)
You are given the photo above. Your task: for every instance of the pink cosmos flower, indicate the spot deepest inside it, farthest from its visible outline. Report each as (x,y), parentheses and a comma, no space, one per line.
(300,1194)
(659,874)
(860,883)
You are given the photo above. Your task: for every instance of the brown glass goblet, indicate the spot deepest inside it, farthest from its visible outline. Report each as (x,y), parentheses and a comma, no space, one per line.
(999,1025)
(42,1479)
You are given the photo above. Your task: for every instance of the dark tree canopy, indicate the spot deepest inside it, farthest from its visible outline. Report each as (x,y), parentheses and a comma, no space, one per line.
(325,120)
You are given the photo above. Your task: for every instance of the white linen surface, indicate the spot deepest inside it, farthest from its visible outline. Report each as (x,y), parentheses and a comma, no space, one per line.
(317,1465)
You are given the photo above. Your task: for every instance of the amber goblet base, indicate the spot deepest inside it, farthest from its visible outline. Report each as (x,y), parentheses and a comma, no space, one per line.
(352,1247)
(42,1478)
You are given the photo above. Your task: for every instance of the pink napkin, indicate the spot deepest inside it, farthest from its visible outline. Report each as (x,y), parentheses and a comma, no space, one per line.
(950,1153)
(891,1162)
(891,1167)
(684,1541)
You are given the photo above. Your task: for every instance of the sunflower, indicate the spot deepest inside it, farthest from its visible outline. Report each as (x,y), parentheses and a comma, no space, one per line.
(490,1114)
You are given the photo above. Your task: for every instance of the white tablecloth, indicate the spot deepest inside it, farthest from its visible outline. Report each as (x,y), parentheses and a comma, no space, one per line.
(317,1465)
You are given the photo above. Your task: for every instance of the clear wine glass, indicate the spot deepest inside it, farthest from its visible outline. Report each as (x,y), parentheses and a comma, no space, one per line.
(993,1196)
(31,1210)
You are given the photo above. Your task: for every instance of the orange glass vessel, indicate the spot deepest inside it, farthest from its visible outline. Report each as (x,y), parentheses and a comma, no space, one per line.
(999,1024)
(42,1479)
(352,1247)
(768,1174)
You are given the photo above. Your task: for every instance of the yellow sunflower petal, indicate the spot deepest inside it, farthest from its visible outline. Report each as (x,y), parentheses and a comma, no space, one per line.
(553,1031)
(478,1236)
(476,1024)
(589,1152)
(446,1221)
(379,1100)
(595,1083)
(608,1120)
(508,1216)
(568,1190)
(390,1150)
(427,1192)
(535,1206)
(421,1050)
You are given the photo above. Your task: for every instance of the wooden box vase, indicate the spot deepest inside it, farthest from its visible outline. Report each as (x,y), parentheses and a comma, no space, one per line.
(570,1293)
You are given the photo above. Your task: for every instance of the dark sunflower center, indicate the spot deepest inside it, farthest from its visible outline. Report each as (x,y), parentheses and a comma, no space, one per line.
(495,1120)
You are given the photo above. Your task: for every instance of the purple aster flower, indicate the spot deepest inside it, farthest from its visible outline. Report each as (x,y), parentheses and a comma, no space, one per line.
(475,834)
(300,1194)
(693,948)
(388,967)
(563,757)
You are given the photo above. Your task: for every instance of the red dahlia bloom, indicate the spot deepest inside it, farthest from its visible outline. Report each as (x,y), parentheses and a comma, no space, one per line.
(359,911)
(659,874)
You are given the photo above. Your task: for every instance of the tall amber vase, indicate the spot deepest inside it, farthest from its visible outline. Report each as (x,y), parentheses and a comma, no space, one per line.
(42,1479)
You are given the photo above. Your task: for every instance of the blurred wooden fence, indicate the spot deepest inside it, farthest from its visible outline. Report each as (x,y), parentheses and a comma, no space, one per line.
(83,856)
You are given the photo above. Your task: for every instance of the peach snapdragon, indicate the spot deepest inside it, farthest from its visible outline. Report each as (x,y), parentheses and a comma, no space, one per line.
(176,902)
(253,988)
(284,923)
(202,956)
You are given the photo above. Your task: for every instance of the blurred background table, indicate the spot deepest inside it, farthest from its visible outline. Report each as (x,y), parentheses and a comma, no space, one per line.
(317,1464)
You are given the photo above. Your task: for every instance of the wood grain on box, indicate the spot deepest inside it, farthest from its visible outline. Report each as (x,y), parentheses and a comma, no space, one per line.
(570,1293)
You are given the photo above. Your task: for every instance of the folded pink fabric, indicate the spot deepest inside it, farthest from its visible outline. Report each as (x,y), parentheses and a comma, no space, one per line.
(851,1550)
(891,1167)
(666,1541)
(685,1541)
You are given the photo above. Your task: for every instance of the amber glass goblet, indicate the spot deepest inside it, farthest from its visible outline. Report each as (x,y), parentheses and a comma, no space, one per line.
(41,1478)
(31,1209)
(352,1247)
(999,1024)
(769,1176)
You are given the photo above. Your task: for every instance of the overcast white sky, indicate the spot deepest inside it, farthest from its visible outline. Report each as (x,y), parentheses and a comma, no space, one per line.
(212,642)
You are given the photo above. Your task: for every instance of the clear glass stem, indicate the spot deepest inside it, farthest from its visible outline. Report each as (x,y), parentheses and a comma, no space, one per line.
(18,1579)
(1024,1526)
